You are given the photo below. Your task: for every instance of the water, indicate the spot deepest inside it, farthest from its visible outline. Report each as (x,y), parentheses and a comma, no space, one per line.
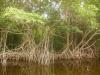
(70,67)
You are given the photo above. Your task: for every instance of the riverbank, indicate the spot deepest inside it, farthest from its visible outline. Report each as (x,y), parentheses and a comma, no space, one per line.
(46,57)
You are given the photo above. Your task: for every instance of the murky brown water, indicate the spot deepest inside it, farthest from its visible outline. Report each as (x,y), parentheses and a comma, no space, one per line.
(76,67)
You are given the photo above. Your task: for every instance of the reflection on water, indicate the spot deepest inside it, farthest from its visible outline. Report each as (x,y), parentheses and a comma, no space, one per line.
(72,67)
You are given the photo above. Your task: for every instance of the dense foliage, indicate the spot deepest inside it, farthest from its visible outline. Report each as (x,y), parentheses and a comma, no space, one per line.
(63,21)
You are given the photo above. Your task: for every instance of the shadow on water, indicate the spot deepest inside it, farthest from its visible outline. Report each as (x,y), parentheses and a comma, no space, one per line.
(70,67)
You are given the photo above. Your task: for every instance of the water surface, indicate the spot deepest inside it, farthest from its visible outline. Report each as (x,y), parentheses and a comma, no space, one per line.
(70,67)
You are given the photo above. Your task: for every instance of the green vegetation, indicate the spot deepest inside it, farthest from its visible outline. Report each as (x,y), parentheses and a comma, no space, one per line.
(47,30)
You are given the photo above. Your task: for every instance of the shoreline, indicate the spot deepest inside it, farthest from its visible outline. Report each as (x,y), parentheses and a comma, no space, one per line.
(46,58)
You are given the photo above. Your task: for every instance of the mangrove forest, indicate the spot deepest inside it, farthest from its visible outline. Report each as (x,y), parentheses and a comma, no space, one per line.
(49,31)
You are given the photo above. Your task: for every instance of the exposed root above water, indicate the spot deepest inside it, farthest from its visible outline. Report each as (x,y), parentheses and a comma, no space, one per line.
(46,57)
